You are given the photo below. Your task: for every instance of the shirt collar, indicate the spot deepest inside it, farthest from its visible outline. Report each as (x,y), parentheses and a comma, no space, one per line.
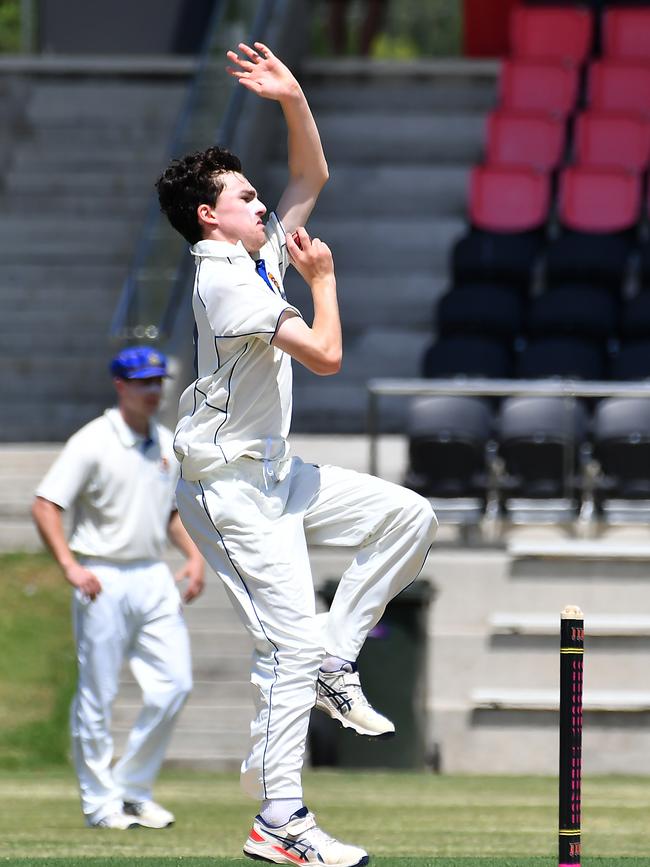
(219,250)
(126,435)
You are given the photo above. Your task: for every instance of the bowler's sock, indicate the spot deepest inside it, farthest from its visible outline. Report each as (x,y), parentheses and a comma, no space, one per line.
(335,663)
(278,811)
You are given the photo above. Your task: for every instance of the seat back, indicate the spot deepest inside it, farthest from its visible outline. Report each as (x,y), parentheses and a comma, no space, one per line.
(599,200)
(488,310)
(626,34)
(467,356)
(551,33)
(570,357)
(622,446)
(632,361)
(536,86)
(619,87)
(524,139)
(612,141)
(504,199)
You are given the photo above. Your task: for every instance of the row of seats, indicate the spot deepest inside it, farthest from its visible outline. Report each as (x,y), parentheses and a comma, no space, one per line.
(567,34)
(532,447)
(538,358)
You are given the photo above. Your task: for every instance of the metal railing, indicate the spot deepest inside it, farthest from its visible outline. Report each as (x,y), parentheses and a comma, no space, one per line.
(159,270)
(409,388)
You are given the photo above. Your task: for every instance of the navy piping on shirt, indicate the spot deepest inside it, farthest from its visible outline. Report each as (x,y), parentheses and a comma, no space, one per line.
(276,649)
(225,411)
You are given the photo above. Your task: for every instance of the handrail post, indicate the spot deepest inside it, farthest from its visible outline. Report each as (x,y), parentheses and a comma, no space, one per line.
(372,422)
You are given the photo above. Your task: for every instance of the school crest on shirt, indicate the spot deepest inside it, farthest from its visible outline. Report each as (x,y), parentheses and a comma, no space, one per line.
(274,281)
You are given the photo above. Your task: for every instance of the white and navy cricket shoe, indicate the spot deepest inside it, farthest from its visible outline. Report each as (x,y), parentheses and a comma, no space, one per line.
(300,841)
(339,694)
(149,814)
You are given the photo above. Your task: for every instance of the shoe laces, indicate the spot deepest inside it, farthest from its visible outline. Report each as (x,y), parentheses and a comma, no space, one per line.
(316,834)
(352,684)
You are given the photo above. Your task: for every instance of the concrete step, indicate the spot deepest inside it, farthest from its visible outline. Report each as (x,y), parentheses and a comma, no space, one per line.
(406,301)
(113,183)
(435,85)
(84,157)
(60,302)
(374,138)
(90,100)
(600,701)
(77,202)
(27,422)
(405,190)
(340,407)
(32,277)
(385,245)
(70,332)
(52,376)
(598,625)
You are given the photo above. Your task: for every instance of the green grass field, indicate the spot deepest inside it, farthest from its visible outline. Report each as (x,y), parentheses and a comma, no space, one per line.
(406,820)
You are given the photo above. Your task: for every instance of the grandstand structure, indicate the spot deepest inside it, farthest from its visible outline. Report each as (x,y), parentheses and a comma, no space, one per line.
(489,221)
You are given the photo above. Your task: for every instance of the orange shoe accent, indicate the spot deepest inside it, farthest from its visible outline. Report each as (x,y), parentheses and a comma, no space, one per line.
(289,855)
(255,836)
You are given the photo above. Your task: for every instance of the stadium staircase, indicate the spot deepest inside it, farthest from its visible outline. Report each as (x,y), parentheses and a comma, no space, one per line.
(81,143)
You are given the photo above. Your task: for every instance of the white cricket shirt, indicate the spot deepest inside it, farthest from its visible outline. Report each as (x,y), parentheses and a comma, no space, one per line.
(241,402)
(120,487)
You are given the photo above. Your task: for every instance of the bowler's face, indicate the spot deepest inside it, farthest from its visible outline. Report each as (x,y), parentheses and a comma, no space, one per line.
(239,213)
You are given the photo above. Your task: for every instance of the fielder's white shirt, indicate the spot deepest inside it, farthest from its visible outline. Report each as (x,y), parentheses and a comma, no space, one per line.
(120,487)
(241,402)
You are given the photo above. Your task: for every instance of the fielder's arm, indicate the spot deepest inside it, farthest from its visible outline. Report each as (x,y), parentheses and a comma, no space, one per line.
(193,568)
(263,73)
(49,522)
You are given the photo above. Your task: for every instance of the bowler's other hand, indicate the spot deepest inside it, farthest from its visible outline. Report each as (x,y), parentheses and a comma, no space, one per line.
(262,72)
(84,580)
(194,572)
(311,257)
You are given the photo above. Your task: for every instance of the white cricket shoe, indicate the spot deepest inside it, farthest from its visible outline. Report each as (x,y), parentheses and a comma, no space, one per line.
(149,814)
(300,841)
(339,694)
(116,821)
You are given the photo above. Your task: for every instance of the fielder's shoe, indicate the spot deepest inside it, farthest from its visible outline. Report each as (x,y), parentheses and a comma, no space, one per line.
(300,841)
(339,694)
(116,821)
(149,814)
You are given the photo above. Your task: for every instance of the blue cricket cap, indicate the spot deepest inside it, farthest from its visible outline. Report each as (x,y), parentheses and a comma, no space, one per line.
(139,362)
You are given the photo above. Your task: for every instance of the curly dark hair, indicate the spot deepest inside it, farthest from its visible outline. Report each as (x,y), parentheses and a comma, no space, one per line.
(192,181)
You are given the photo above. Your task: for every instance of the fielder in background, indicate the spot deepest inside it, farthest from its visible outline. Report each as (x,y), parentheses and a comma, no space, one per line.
(118,474)
(252,509)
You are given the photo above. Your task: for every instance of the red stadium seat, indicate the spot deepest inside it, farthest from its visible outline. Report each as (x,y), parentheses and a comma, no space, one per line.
(619,87)
(551,33)
(614,141)
(599,200)
(508,199)
(524,139)
(539,87)
(626,34)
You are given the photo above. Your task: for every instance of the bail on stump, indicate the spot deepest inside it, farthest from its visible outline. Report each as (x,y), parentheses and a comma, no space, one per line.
(571,662)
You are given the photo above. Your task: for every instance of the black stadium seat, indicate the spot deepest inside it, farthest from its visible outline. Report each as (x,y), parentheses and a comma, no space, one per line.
(447,446)
(468,356)
(635,319)
(584,312)
(561,357)
(490,311)
(632,361)
(539,441)
(621,445)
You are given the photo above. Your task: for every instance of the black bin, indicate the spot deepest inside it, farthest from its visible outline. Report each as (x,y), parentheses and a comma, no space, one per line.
(392,665)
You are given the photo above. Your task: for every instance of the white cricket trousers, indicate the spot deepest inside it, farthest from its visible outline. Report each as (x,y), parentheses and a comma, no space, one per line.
(137,616)
(253,522)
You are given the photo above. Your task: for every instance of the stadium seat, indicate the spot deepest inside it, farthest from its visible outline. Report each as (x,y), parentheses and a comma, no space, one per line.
(635,319)
(626,34)
(571,357)
(631,361)
(539,441)
(619,87)
(447,446)
(508,211)
(591,313)
(492,311)
(467,356)
(524,139)
(621,445)
(540,87)
(610,140)
(598,210)
(552,33)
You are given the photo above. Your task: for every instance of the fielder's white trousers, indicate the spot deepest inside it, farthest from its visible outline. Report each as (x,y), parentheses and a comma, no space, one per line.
(253,522)
(136,616)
